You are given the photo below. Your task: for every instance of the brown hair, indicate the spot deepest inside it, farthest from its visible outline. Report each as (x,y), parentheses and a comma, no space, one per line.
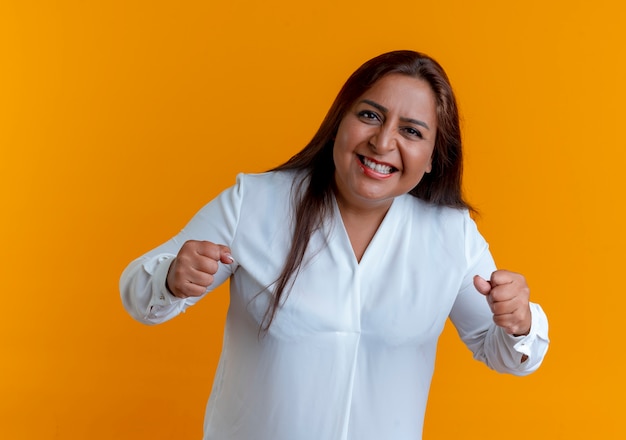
(442,186)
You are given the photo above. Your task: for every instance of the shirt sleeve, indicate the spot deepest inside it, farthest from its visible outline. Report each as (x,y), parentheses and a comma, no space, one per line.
(473,319)
(142,284)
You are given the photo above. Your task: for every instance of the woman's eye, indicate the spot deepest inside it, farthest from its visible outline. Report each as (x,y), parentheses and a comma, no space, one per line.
(368,115)
(413,132)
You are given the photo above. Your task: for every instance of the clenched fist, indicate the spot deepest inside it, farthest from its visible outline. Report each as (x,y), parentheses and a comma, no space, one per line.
(508,296)
(192,270)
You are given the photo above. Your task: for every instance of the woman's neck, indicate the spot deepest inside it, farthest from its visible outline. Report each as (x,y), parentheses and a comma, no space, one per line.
(361,223)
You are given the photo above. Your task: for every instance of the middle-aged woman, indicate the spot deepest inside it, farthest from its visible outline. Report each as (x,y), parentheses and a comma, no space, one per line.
(344,264)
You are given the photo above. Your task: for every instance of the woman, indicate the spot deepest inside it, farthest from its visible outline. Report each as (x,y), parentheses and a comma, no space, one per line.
(344,264)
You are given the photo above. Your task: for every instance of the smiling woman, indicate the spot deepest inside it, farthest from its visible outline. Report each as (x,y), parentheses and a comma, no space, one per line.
(344,265)
(384,144)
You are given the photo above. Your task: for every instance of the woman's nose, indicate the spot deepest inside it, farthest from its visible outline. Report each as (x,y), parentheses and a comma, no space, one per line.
(383,140)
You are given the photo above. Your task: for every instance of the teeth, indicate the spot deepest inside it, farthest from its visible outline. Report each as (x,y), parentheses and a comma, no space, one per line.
(379,168)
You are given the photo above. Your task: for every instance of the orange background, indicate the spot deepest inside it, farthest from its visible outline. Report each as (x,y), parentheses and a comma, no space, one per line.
(119,119)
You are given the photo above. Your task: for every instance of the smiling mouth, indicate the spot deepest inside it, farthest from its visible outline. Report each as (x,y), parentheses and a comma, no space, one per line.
(375,166)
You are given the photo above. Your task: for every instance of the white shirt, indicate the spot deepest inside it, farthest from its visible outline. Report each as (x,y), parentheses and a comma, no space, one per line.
(350,354)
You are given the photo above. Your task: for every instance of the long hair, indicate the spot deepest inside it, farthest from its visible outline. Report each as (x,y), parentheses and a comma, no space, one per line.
(314,193)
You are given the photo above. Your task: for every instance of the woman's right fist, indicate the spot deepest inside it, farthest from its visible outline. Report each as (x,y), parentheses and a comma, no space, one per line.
(192,270)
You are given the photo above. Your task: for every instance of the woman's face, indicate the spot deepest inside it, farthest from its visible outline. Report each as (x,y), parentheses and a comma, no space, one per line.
(385,142)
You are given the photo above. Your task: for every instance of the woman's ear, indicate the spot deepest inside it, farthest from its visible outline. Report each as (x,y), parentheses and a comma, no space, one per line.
(429,167)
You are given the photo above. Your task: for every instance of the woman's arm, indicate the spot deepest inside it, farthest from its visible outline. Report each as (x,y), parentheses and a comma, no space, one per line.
(144,283)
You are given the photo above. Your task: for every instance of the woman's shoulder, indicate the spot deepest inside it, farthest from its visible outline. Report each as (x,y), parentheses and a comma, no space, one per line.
(431,211)
(453,226)
(271,185)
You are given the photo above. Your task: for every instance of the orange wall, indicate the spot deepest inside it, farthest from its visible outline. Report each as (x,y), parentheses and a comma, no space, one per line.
(119,119)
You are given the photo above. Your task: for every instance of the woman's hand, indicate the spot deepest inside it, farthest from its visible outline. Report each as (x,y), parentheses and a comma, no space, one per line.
(192,270)
(508,296)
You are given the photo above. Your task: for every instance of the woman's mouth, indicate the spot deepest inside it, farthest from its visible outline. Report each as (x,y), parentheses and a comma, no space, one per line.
(375,166)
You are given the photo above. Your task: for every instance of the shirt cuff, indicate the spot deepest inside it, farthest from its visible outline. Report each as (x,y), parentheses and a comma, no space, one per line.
(535,344)
(159,269)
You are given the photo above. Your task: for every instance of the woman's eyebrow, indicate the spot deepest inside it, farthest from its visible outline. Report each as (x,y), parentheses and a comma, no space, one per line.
(384,110)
